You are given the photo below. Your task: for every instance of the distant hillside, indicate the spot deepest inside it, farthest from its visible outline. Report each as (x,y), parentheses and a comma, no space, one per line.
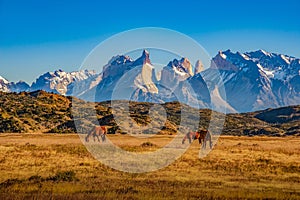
(51,113)
(275,122)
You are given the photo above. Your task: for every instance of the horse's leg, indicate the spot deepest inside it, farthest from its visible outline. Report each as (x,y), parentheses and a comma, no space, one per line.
(102,133)
(184,138)
(208,139)
(204,142)
(103,137)
(190,139)
(94,135)
(97,133)
(87,138)
(98,137)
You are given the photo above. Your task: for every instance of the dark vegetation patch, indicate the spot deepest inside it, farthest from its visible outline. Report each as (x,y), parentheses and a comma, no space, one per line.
(60,176)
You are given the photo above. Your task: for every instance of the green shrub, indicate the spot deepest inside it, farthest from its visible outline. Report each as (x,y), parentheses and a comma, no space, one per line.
(68,176)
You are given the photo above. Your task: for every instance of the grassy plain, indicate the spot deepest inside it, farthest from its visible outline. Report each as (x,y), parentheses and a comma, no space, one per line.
(58,166)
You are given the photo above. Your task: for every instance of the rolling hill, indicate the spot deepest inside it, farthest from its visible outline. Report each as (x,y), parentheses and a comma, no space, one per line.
(30,112)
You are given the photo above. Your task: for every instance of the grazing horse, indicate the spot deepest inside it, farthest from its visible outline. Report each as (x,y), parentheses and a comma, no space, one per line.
(96,132)
(202,136)
(191,136)
(205,136)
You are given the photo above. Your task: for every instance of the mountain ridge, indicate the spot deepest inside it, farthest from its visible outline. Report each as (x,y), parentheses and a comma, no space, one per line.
(258,80)
(252,80)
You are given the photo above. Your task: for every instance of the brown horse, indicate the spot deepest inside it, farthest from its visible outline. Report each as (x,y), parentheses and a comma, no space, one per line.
(202,136)
(96,132)
(191,136)
(205,136)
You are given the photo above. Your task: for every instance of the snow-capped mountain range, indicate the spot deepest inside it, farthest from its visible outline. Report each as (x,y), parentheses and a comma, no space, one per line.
(256,80)
(252,81)
(59,82)
(6,86)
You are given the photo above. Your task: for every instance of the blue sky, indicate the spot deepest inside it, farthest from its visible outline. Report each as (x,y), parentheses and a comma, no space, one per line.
(40,36)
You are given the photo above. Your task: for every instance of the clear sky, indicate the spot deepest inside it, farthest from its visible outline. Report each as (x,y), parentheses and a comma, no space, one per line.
(39,36)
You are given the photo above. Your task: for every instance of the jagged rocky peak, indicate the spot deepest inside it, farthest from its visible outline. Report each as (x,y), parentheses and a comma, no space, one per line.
(121,63)
(229,54)
(198,67)
(147,78)
(233,57)
(187,65)
(120,60)
(116,65)
(19,86)
(273,60)
(259,54)
(145,55)
(220,61)
(6,86)
(175,72)
(182,66)
(145,58)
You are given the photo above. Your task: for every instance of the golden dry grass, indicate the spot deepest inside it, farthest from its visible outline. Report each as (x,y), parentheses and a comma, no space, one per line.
(40,166)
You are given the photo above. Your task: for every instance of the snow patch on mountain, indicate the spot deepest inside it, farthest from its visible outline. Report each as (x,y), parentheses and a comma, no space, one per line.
(3,80)
(223,55)
(245,57)
(285,59)
(269,73)
(265,53)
